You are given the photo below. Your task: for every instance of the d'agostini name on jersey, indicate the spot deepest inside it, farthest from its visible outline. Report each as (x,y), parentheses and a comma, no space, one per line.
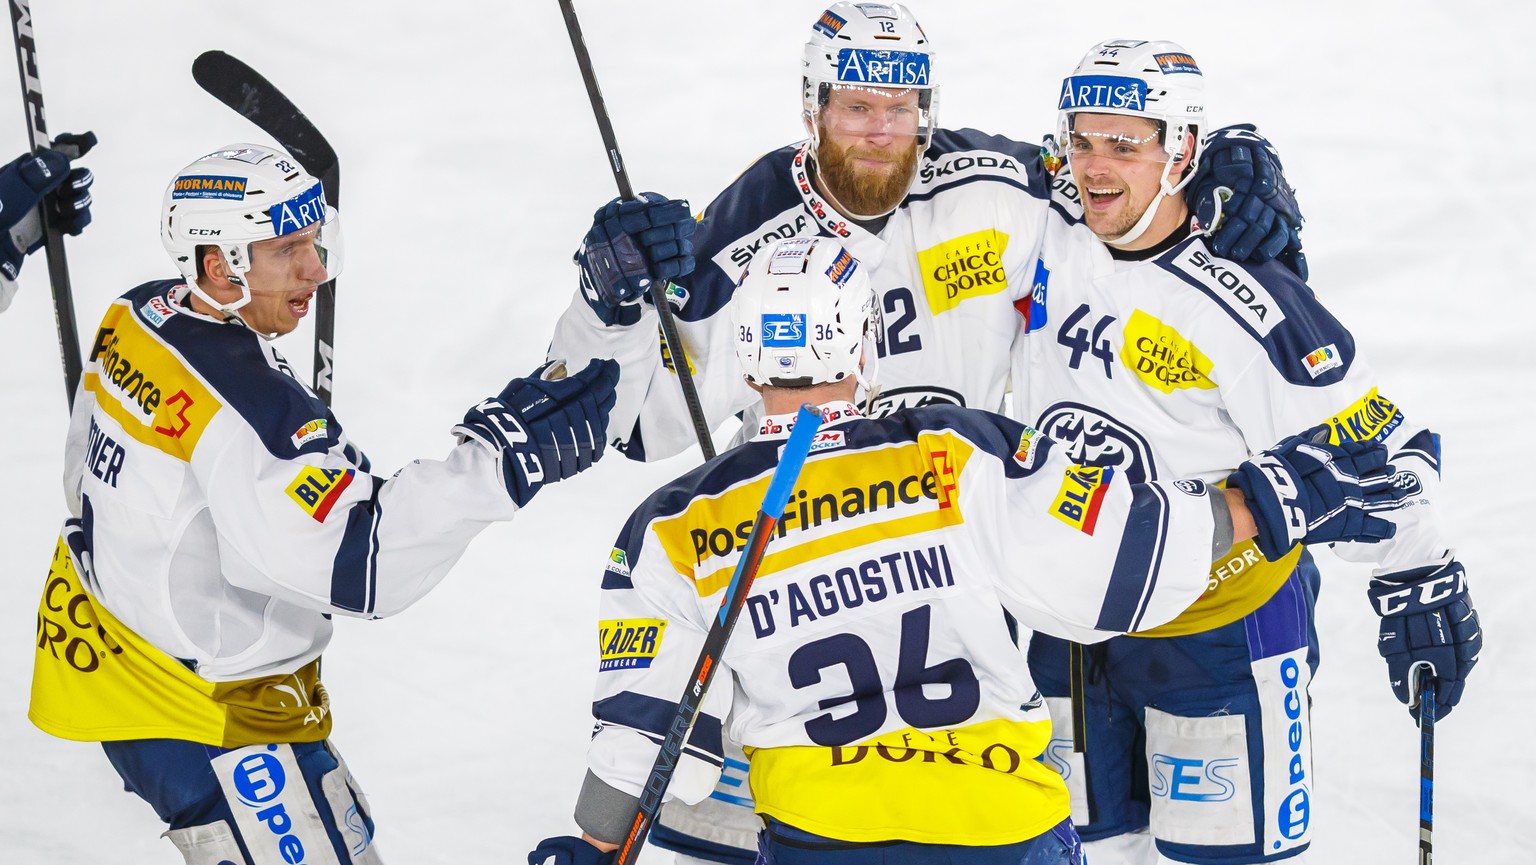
(868,582)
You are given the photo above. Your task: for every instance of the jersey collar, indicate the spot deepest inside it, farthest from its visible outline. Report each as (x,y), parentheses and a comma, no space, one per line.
(778,426)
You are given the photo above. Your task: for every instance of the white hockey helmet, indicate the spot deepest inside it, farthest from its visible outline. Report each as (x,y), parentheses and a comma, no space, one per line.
(1156,80)
(867,45)
(804,314)
(239,195)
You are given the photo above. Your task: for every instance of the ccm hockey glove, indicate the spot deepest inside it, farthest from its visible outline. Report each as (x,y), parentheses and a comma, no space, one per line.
(1240,195)
(1307,491)
(544,427)
(32,179)
(569,850)
(630,244)
(1427,620)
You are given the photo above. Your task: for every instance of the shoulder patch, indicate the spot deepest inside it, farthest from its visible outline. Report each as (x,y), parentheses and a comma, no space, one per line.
(316,490)
(1249,301)
(628,644)
(1081,495)
(1372,417)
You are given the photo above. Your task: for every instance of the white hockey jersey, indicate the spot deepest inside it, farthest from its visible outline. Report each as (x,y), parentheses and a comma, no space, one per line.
(223,517)
(947,267)
(873,677)
(1184,364)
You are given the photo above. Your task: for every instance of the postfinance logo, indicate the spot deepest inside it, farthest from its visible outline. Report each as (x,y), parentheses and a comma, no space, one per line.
(1162,357)
(962,268)
(145,387)
(627,644)
(1372,417)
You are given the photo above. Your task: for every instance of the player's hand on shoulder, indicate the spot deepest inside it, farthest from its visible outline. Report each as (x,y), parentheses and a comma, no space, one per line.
(1305,490)
(1240,195)
(569,850)
(43,177)
(546,426)
(630,245)
(1427,620)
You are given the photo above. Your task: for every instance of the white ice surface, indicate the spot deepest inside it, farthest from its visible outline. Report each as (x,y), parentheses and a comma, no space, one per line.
(471,167)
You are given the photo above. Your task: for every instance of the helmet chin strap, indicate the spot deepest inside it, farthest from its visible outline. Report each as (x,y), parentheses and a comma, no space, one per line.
(1165,190)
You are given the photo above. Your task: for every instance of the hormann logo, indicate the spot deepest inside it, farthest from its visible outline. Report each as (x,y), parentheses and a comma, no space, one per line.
(1372,417)
(828,24)
(628,644)
(1237,288)
(1162,357)
(1171,63)
(209,186)
(962,268)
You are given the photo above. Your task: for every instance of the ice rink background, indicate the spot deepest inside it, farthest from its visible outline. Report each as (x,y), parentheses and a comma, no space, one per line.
(470,168)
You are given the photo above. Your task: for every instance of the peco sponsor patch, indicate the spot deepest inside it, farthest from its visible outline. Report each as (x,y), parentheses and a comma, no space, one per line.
(962,268)
(882,68)
(317,489)
(829,24)
(307,433)
(1323,359)
(156,311)
(1082,493)
(628,644)
(208,186)
(1162,357)
(1171,63)
(1372,417)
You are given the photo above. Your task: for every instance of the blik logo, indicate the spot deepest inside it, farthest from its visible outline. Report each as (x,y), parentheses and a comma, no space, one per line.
(156,311)
(259,779)
(1190,780)
(882,68)
(1319,361)
(629,644)
(310,431)
(829,24)
(827,440)
(783,330)
(1171,63)
(316,489)
(298,212)
(208,186)
(1372,417)
(618,562)
(1081,495)
(1103,91)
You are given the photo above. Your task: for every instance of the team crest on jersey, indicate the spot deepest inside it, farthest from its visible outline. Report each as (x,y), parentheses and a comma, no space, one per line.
(156,311)
(1190,487)
(962,268)
(1323,359)
(1081,495)
(307,433)
(618,562)
(895,399)
(1372,417)
(1029,447)
(628,644)
(316,489)
(1162,357)
(1092,437)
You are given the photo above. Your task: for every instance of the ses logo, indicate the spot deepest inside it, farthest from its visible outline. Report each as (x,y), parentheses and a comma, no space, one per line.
(783,330)
(259,779)
(1189,780)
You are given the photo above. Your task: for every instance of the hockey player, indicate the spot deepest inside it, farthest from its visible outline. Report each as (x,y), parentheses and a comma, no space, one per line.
(1153,356)
(222,517)
(29,180)
(875,680)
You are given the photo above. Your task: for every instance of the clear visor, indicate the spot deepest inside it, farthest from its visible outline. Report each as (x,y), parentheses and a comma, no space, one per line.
(312,254)
(1121,145)
(861,111)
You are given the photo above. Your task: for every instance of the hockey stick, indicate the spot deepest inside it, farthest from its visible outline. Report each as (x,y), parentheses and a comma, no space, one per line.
(774,501)
(253,97)
(53,239)
(1427,710)
(659,288)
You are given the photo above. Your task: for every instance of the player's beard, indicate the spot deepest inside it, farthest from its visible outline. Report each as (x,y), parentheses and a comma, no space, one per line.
(866,192)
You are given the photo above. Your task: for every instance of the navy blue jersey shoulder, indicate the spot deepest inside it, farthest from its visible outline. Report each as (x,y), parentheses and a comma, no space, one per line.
(956,157)
(1304,342)
(232,359)
(992,433)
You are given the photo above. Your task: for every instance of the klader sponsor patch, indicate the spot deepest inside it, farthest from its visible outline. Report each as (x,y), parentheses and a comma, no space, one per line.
(628,644)
(1081,495)
(1162,357)
(317,489)
(1372,417)
(962,268)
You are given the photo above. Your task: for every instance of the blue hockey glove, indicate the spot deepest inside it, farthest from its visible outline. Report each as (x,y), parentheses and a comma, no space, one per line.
(35,178)
(1427,620)
(1257,218)
(1305,490)
(569,850)
(545,429)
(631,243)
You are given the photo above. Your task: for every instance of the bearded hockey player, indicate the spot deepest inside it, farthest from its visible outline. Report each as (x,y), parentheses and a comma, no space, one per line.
(1152,356)
(878,688)
(222,517)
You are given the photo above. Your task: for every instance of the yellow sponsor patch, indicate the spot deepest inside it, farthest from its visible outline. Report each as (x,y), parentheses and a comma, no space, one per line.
(317,489)
(666,356)
(1372,417)
(962,268)
(1162,357)
(142,384)
(1082,493)
(628,644)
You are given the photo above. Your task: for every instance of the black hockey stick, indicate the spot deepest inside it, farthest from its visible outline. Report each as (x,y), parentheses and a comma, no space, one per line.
(774,501)
(53,239)
(253,97)
(1427,709)
(627,192)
